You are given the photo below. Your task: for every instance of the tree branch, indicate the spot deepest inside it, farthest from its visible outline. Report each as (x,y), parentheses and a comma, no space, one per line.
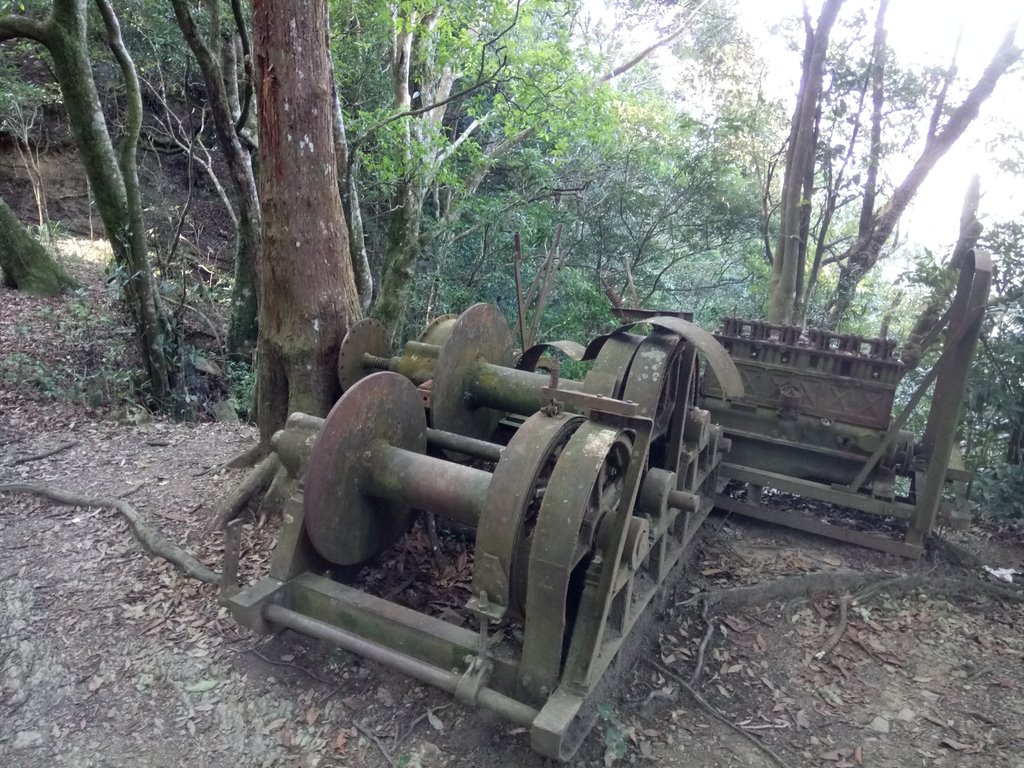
(666,40)
(940,101)
(13,27)
(243,116)
(133,92)
(430,107)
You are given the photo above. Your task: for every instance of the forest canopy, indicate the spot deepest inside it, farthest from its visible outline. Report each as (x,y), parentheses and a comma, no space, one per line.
(725,158)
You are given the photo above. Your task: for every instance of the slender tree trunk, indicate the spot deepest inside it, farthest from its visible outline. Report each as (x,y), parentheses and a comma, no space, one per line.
(26,264)
(112,179)
(970,232)
(800,158)
(348,190)
(1015,443)
(307,291)
(242,329)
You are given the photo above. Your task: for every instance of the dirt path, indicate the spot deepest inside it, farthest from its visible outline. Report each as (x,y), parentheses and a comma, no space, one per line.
(111,658)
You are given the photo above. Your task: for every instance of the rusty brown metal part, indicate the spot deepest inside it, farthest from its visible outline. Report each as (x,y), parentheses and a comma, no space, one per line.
(513,500)
(480,335)
(367,337)
(345,525)
(586,485)
(531,357)
(817,420)
(718,359)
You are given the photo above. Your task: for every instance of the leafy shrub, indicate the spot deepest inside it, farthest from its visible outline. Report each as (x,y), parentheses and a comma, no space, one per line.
(1000,490)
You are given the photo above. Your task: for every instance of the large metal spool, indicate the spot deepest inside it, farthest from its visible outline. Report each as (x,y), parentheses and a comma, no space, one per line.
(368,469)
(473,383)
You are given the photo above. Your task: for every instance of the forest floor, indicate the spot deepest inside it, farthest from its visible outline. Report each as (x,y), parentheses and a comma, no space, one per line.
(110,657)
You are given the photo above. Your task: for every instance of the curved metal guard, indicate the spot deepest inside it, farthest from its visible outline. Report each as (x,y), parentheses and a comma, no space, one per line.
(529,359)
(717,357)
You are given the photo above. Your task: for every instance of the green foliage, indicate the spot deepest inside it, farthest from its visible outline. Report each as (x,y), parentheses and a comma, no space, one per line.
(241,388)
(999,490)
(615,734)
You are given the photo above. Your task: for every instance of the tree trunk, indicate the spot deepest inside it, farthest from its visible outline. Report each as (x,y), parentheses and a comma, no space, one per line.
(970,232)
(348,172)
(792,246)
(399,259)
(152,319)
(307,291)
(112,179)
(1015,443)
(242,328)
(27,266)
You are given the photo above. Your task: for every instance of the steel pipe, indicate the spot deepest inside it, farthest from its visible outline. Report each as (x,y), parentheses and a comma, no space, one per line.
(450,441)
(447,488)
(519,713)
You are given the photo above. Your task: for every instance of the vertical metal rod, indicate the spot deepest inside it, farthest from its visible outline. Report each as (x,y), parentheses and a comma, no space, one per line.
(232,551)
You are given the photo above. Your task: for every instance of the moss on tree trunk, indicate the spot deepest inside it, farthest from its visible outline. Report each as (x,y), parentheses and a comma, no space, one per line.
(26,264)
(113,179)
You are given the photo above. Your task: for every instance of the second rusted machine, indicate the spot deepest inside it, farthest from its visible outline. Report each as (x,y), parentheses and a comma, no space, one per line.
(817,421)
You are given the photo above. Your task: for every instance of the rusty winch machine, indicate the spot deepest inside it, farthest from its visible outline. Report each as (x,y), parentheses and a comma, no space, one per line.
(582,495)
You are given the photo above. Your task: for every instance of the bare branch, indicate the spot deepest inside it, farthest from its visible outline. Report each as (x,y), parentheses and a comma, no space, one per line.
(940,101)
(646,52)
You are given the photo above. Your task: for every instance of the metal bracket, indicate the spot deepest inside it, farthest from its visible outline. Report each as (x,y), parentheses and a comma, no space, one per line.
(474,679)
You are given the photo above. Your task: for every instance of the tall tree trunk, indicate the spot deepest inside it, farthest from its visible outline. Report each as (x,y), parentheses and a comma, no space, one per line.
(307,291)
(874,77)
(348,190)
(800,157)
(112,178)
(400,250)
(970,232)
(1015,442)
(864,253)
(26,264)
(242,329)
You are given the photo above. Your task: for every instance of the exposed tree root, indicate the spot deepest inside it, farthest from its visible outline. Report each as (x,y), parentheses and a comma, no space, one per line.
(247,458)
(44,454)
(253,484)
(839,631)
(957,554)
(365,731)
(821,582)
(695,695)
(862,584)
(250,457)
(273,500)
(152,541)
(709,624)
